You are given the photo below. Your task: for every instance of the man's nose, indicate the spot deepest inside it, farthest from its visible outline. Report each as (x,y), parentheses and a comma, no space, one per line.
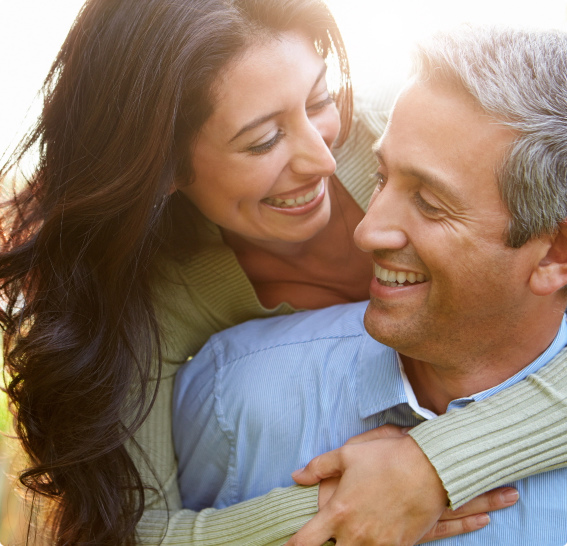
(382,227)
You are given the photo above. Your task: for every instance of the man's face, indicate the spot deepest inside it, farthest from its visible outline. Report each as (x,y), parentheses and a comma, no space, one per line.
(436,227)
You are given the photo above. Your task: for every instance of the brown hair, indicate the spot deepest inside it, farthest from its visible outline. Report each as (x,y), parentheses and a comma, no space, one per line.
(131,86)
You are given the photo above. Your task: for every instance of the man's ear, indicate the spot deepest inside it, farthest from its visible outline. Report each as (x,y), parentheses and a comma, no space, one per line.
(551,273)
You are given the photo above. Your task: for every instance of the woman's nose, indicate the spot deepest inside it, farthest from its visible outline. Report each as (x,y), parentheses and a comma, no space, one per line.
(313,154)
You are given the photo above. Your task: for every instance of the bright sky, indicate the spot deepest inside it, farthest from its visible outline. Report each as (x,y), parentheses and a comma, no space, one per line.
(378,35)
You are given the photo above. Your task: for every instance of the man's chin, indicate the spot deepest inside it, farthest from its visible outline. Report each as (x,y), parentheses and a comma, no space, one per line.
(385,330)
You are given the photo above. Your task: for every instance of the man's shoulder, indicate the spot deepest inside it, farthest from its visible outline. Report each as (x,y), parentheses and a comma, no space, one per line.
(338,321)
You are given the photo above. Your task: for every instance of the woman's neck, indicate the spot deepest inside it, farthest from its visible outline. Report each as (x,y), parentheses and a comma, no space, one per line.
(325,270)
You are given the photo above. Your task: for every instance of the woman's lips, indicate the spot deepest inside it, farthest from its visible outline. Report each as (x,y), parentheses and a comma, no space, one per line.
(298,201)
(299,204)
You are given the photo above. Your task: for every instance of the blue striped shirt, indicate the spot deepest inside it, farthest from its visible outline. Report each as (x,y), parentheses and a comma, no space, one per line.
(263,398)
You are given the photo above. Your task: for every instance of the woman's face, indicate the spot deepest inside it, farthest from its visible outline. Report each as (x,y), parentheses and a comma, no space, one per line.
(263,159)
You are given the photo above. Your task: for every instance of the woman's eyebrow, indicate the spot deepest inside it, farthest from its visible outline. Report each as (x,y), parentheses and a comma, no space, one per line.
(255,122)
(262,119)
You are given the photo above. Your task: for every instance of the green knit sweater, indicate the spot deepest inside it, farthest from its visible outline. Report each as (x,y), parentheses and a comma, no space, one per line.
(206,291)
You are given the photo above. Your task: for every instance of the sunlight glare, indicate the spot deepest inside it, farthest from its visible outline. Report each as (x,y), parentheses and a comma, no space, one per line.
(379,35)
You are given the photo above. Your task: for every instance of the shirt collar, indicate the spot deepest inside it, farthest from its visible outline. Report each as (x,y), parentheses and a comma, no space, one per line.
(379,381)
(382,383)
(558,343)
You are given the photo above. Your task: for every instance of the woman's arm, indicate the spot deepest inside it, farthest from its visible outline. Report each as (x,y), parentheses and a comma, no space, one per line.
(271,519)
(509,436)
(265,521)
(517,433)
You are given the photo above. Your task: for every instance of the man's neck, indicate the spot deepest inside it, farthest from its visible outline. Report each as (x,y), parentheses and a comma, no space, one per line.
(436,385)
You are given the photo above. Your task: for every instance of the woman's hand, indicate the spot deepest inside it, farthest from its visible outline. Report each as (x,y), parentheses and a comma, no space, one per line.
(472,515)
(388,494)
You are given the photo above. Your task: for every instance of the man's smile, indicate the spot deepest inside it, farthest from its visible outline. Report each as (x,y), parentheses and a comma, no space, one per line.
(388,277)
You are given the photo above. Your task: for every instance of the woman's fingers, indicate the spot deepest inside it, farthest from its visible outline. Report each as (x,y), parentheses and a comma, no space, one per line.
(379,433)
(388,494)
(328,465)
(314,533)
(487,502)
(471,516)
(331,464)
(452,527)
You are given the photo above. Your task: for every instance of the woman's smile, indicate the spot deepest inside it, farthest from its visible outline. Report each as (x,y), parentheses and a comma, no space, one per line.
(302,201)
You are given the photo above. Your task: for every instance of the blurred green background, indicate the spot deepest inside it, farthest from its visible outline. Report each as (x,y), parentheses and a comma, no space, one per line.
(4,415)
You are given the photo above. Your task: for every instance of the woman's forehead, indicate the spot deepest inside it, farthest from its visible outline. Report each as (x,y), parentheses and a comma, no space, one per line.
(286,63)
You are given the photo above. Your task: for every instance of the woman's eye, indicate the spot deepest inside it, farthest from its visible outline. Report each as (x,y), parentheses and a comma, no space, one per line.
(426,207)
(321,104)
(265,147)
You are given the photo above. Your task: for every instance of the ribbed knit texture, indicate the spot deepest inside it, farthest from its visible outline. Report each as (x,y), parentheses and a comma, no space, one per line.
(282,511)
(519,432)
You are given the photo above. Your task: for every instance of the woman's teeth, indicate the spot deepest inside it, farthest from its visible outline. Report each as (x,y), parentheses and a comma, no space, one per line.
(397,278)
(297,202)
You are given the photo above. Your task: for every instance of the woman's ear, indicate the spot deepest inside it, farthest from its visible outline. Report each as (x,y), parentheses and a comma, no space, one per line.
(551,273)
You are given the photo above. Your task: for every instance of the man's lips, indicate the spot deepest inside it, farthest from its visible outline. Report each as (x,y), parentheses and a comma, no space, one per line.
(392,278)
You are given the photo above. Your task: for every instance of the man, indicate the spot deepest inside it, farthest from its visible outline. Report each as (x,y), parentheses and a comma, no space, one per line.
(470,257)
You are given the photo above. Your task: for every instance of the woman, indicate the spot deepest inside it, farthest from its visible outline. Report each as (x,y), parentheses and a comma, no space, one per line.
(126,249)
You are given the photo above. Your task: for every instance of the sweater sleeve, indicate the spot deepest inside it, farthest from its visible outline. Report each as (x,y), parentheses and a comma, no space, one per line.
(263,521)
(516,433)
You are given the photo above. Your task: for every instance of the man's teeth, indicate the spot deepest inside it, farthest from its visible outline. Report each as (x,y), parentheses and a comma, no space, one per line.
(396,278)
(297,202)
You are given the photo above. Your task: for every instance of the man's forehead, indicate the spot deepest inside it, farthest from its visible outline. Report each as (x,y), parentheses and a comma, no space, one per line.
(441,134)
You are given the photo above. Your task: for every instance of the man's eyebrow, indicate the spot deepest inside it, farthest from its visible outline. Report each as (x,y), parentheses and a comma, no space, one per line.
(427,178)
(262,119)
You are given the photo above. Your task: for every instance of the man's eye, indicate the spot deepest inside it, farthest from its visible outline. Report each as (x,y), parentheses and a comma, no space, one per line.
(380,180)
(426,207)
(265,147)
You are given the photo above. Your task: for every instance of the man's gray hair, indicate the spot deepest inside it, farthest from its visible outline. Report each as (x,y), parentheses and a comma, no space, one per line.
(520,78)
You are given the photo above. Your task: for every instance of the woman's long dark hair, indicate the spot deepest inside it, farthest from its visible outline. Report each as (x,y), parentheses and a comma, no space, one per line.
(123,103)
